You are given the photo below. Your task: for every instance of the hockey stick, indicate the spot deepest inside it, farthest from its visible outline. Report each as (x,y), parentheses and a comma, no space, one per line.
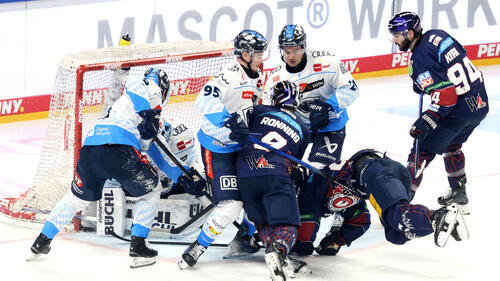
(163,242)
(179,165)
(416,140)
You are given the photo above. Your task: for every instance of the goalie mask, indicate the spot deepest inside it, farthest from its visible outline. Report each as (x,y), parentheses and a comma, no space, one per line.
(160,78)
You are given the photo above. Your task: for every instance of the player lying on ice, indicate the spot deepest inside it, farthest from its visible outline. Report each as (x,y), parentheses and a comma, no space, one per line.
(370,175)
(113,149)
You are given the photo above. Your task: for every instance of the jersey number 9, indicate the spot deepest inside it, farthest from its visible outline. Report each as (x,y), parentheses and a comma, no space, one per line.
(458,77)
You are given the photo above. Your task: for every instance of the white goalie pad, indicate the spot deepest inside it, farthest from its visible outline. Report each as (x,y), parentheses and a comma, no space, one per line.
(114,212)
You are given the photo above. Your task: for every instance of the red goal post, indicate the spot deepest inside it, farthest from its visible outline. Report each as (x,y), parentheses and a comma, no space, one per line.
(84,84)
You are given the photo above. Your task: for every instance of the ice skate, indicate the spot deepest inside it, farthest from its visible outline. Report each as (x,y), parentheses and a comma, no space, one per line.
(455,195)
(460,231)
(191,255)
(40,246)
(444,221)
(295,268)
(275,262)
(242,245)
(141,252)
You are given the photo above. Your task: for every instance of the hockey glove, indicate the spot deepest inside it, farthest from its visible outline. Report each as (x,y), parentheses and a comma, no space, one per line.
(424,125)
(327,246)
(239,130)
(303,248)
(148,128)
(319,114)
(196,186)
(299,175)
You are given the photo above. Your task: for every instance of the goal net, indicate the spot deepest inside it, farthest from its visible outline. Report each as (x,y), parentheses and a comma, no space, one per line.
(84,84)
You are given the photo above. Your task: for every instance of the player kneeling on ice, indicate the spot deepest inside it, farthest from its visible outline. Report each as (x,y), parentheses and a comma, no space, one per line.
(370,175)
(112,149)
(264,177)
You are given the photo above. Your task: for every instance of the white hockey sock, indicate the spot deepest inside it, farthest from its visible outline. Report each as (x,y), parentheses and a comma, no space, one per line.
(144,213)
(223,214)
(63,213)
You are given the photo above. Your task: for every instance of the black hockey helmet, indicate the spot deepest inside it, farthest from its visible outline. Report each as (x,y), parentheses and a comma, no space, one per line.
(292,35)
(249,41)
(285,94)
(160,77)
(404,21)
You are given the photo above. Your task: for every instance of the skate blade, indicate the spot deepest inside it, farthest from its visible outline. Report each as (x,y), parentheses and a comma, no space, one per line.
(462,229)
(450,219)
(235,253)
(294,273)
(464,210)
(32,256)
(141,262)
(182,265)
(275,269)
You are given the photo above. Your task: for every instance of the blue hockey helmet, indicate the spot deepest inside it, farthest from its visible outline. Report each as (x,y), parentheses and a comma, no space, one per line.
(285,94)
(249,41)
(404,21)
(292,35)
(159,77)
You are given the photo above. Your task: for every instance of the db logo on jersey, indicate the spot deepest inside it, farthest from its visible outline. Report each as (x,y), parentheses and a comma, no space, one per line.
(228,183)
(247,95)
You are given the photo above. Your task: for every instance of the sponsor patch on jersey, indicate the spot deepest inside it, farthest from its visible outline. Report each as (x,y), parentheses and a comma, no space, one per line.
(228,183)
(276,78)
(317,67)
(451,55)
(307,87)
(247,95)
(258,163)
(316,54)
(436,41)
(425,79)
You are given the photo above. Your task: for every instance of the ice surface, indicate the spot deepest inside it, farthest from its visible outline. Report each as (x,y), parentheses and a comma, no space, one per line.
(380,118)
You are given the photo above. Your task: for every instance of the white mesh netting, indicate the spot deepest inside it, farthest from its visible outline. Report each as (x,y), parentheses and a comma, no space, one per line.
(55,169)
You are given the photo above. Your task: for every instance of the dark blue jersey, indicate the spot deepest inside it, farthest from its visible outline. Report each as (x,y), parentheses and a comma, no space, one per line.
(282,130)
(439,66)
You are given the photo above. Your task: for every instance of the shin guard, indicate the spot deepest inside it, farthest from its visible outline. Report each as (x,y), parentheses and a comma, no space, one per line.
(454,162)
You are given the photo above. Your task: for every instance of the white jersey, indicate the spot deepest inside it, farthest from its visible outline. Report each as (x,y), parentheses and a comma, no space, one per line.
(324,77)
(120,127)
(229,91)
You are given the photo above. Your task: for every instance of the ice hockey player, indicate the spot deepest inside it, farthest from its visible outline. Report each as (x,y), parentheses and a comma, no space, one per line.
(347,225)
(264,177)
(112,149)
(439,67)
(326,90)
(225,102)
(385,183)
